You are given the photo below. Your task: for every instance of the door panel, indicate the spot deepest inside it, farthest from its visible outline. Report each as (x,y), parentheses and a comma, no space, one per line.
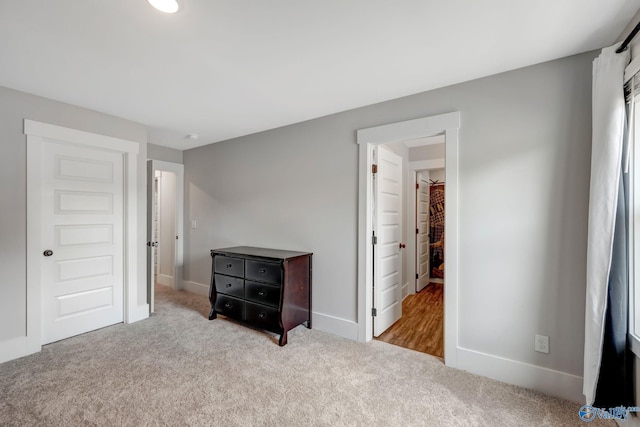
(82,224)
(388,226)
(423,230)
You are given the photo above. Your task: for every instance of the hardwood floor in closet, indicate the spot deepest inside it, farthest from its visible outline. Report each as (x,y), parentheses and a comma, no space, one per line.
(421,326)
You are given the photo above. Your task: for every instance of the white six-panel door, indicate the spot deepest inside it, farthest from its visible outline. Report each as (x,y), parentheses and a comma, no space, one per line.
(82,226)
(422,237)
(388,229)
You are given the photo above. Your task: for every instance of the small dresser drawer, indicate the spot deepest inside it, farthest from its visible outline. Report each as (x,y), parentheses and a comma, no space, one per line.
(230,285)
(230,307)
(269,272)
(262,293)
(263,317)
(228,265)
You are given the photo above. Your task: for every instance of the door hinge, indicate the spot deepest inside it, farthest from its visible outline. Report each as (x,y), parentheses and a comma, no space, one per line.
(417,231)
(417,186)
(374,312)
(374,168)
(375,240)
(416,275)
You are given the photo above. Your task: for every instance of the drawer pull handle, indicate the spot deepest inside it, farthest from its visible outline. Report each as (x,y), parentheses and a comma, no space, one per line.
(229,285)
(262,315)
(229,265)
(227,304)
(261,293)
(262,270)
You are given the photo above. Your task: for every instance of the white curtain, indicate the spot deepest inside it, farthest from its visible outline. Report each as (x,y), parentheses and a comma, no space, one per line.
(606,158)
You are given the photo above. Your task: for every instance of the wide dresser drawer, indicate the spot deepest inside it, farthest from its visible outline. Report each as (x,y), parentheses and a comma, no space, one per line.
(270,272)
(263,317)
(229,285)
(262,293)
(230,307)
(229,266)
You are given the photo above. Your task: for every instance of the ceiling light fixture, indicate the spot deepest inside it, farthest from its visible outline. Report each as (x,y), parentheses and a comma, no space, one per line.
(166,6)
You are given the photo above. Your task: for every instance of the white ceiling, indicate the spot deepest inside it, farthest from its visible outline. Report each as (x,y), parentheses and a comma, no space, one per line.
(226,68)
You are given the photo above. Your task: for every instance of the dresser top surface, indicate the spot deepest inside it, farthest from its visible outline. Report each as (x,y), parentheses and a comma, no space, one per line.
(260,252)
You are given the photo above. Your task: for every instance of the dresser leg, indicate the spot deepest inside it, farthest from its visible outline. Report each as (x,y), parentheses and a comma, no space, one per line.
(212,314)
(283,339)
(308,324)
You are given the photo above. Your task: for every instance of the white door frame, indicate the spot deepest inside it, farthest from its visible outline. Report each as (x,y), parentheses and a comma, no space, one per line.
(178,169)
(37,133)
(414,168)
(449,125)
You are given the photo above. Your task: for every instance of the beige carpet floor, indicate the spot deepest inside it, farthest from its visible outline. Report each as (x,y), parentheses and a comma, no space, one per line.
(178,368)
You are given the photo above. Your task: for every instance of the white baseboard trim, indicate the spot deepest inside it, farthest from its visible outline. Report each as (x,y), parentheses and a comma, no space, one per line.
(334,325)
(548,381)
(138,313)
(195,288)
(15,348)
(166,280)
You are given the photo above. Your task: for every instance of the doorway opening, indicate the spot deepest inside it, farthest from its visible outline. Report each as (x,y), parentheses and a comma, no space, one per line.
(420,324)
(445,126)
(164,227)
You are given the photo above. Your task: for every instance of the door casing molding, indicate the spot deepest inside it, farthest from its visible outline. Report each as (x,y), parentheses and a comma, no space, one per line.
(447,124)
(37,134)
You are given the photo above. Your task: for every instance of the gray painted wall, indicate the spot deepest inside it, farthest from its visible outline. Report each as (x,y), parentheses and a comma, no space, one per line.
(523,191)
(433,151)
(14,108)
(166,154)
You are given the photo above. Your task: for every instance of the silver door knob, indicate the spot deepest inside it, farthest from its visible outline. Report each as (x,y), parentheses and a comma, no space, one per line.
(48,252)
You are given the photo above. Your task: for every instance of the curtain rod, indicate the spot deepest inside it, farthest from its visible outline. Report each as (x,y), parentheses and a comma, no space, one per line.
(630,37)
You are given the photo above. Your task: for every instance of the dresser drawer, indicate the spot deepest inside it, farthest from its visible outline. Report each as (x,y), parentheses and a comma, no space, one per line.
(229,285)
(230,307)
(262,293)
(269,272)
(228,265)
(263,317)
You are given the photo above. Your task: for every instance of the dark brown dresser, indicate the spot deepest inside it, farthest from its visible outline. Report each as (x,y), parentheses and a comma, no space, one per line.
(268,289)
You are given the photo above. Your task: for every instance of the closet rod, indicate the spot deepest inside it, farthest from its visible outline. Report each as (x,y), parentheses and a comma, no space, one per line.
(630,37)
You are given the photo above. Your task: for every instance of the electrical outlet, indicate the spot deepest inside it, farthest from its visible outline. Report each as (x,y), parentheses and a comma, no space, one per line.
(541,343)
(193,223)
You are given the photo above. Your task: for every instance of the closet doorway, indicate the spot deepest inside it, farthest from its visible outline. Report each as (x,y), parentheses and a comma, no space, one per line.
(165,183)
